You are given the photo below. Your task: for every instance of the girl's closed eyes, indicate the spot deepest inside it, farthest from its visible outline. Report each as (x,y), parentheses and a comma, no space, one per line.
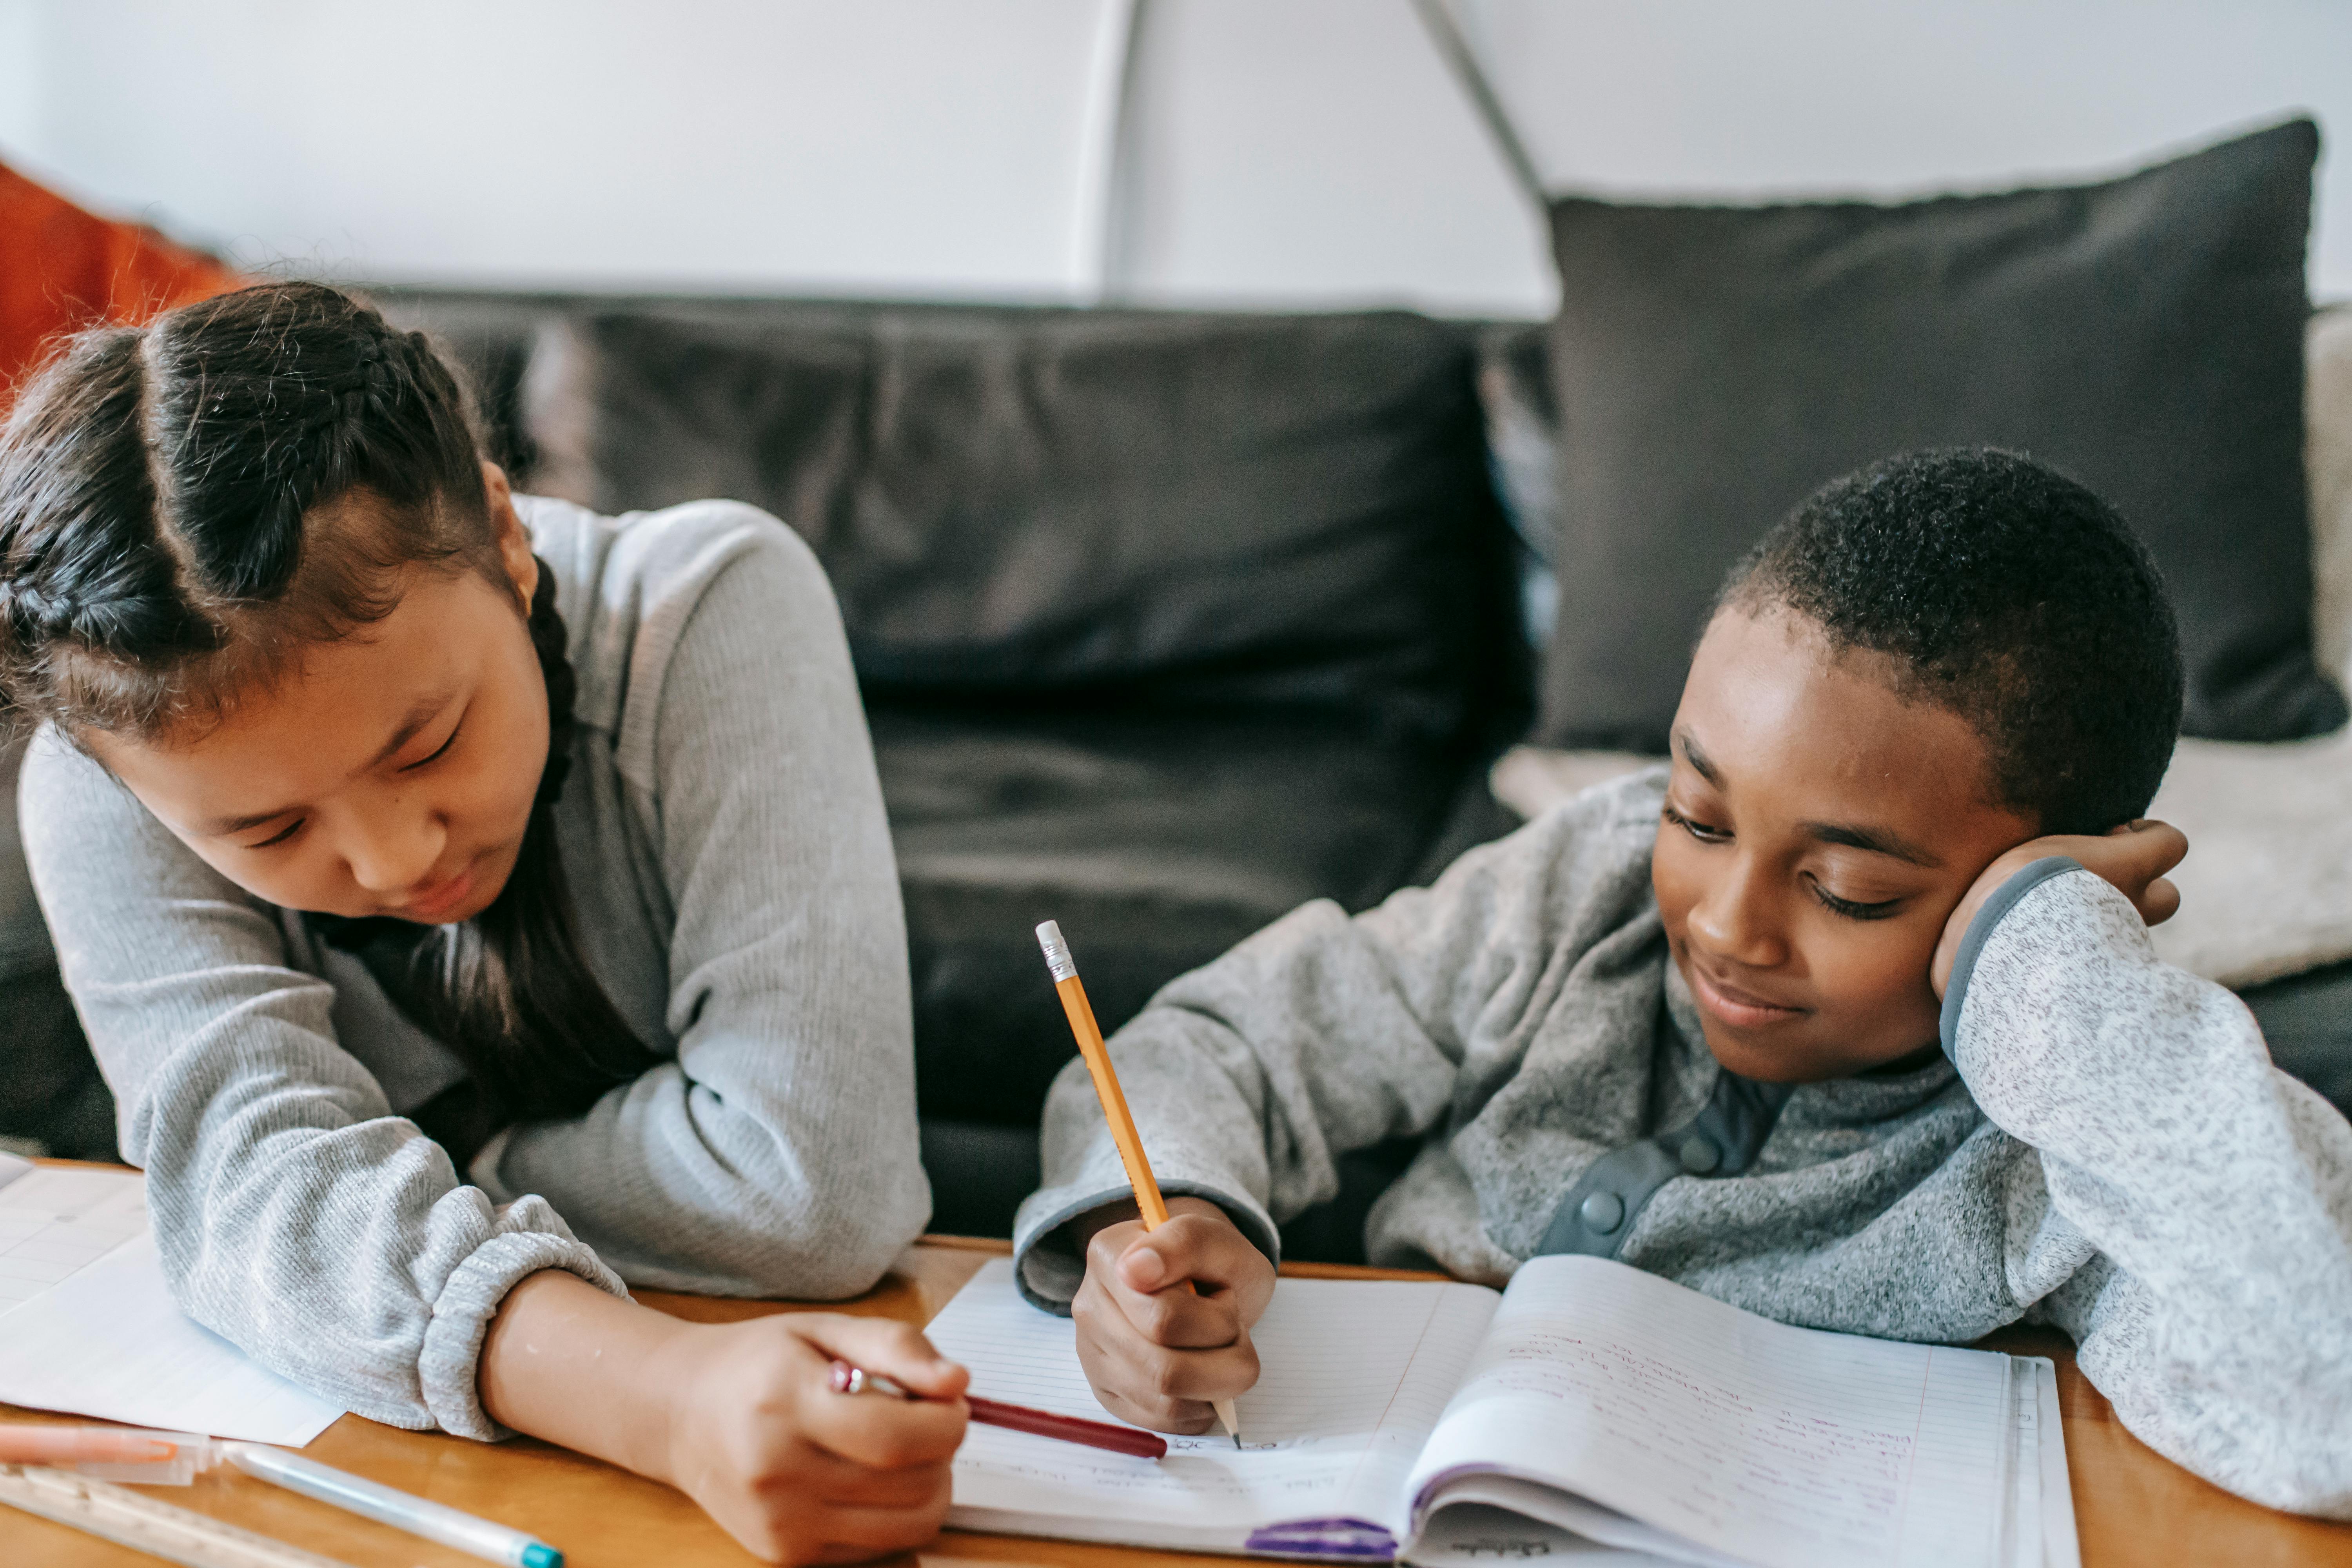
(282,835)
(285,834)
(440,750)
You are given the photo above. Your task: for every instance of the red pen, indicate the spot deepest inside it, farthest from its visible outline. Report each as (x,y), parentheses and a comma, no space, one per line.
(848,1379)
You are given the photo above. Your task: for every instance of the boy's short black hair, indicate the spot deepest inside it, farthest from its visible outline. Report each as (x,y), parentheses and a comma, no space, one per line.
(2009,594)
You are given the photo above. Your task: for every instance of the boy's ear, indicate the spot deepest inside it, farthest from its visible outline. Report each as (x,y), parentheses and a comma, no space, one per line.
(514,538)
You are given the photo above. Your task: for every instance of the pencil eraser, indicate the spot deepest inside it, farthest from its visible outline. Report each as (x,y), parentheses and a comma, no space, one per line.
(538,1554)
(1057,951)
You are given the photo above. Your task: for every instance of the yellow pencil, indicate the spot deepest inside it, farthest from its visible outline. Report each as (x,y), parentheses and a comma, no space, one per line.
(1081,1013)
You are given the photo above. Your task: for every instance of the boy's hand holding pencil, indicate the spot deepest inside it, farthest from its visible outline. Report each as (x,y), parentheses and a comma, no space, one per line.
(1164,1313)
(1156,1353)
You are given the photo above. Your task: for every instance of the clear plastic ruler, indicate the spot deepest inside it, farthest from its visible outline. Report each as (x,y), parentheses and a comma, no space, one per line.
(141,1523)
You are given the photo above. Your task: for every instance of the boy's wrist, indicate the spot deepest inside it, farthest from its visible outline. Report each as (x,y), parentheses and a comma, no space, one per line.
(2132,858)
(1991,880)
(1081,1229)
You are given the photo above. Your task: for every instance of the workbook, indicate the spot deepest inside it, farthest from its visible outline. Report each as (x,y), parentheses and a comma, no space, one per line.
(1591,1413)
(88,1324)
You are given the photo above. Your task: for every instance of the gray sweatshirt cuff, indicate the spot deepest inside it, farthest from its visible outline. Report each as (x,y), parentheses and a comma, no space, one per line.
(2004,898)
(1049,1271)
(449,1366)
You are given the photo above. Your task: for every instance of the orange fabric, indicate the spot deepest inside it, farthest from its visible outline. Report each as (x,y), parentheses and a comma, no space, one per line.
(63,268)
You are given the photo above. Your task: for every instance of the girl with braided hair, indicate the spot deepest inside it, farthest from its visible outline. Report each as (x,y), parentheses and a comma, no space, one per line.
(444,982)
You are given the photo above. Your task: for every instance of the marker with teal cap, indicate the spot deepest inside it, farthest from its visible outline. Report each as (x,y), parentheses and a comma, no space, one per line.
(368,1499)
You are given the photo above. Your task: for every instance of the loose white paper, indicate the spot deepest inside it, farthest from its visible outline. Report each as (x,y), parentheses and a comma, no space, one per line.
(54,1222)
(88,1326)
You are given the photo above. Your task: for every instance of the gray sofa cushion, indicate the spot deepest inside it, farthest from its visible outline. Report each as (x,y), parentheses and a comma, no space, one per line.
(2307,1021)
(1158,841)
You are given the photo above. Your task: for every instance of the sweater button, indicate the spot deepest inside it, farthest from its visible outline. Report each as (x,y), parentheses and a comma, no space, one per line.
(1699,1156)
(1604,1211)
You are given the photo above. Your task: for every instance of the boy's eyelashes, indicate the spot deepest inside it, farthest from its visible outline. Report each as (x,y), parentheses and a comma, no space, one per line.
(1846,909)
(1705,832)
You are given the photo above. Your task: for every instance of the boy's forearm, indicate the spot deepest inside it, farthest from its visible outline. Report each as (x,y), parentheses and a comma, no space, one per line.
(2167,1144)
(567,1363)
(2068,1017)
(1249,1077)
(1081,1229)
(1197,1103)
(2148,1092)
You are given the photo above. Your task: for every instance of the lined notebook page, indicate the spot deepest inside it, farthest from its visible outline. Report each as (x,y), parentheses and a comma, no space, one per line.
(1354,1375)
(1783,1447)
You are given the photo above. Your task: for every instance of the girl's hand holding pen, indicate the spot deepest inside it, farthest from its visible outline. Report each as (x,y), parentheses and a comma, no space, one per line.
(741,1416)
(1156,1353)
(794,1471)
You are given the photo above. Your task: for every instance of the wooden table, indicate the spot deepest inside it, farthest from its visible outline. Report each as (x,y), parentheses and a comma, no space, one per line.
(2133,1507)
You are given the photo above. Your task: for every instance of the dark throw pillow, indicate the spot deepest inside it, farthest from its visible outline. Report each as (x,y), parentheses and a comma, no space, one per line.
(1170,511)
(1712,366)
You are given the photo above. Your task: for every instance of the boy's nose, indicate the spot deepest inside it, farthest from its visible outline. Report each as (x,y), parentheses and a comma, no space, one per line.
(1734,921)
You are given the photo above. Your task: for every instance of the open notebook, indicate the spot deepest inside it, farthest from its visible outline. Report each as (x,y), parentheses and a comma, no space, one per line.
(1590,1412)
(88,1326)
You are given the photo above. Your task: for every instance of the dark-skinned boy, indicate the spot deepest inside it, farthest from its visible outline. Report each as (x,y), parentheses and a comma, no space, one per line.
(1846,1016)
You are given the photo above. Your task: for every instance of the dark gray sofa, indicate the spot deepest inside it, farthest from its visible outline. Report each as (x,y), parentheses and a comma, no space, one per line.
(1166,623)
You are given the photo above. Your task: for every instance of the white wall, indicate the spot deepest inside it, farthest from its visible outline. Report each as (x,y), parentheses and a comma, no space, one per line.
(901,146)
(1289,149)
(1283,150)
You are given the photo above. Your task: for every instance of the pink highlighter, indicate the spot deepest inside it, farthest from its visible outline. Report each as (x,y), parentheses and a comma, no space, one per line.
(112,1453)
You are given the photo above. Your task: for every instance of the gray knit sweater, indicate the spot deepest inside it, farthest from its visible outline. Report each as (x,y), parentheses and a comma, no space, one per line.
(2113,1152)
(723,835)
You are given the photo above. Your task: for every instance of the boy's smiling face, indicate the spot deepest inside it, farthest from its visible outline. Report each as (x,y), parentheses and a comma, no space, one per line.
(1818,832)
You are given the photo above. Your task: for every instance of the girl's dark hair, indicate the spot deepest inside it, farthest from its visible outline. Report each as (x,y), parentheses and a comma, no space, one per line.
(170,535)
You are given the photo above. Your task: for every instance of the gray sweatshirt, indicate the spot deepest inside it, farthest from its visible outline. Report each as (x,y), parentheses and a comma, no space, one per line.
(723,835)
(2108,1147)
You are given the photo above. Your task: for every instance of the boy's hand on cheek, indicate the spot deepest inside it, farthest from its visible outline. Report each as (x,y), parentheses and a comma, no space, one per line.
(2134,858)
(1155,1352)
